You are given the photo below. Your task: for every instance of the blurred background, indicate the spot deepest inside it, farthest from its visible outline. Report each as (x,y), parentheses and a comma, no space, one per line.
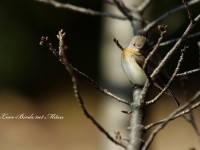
(32,81)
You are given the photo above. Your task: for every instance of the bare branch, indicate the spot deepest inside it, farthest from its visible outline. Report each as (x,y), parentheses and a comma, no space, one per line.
(121,6)
(167,14)
(188,10)
(190,117)
(198,43)
(188,72)
(109,2)
(63,59)
(147,127)
(118,44)
(176,39)
(162,29)
(100,88)
(168,55)
(144,5)
(45,42)
(118,137)
(191,120)
(82,10)
(175,47)
(180,111)
(171,79)
(134,16)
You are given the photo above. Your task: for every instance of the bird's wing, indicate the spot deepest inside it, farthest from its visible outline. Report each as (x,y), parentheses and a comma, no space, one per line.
(162,78)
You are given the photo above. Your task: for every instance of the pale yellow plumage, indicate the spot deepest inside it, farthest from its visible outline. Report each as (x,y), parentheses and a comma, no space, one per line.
(133,71)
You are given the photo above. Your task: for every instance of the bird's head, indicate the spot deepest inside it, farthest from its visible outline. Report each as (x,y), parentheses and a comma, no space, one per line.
(138,42)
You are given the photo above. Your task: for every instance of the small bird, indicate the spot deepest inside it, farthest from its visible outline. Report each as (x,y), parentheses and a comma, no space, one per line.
(132,60)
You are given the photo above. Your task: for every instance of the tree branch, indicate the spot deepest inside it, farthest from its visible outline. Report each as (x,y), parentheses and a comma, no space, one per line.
(188,10)
(198,43)
(180,111)
(100,88)
(188,72)
(81,10)
(136,123)
(45,42)
(167,14)
(175,47)
(68,67)
(144,5)
(124,10)
(190,117)
(176,39)
(191,120)
(171,79)
(118,44)
(162,29)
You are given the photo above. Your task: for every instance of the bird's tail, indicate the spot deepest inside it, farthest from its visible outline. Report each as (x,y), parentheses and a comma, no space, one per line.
(169,92)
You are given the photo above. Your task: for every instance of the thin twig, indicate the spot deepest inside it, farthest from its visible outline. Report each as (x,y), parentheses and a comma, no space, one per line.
(179,111)
(162,29)
(188,10)
(135,17)
(144,5)
(190,117)
(121,6)
(188,72)
(171,79)
(176,39)
(45,42)
(169,55)
(191,120)
(63,58)
(100,88)
(118,137)
(180,114)
(118,44)
(109,2)
(175,47)
(198,43)
(167,14)
(81,10)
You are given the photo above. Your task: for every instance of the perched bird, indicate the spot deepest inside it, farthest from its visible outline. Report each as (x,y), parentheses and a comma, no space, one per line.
(132,60)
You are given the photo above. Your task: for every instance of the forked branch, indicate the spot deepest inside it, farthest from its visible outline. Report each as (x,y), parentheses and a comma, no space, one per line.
(81,10)
(63,59)
(182,110)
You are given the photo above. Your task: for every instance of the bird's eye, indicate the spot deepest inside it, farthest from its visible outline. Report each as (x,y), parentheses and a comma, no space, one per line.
(134,44)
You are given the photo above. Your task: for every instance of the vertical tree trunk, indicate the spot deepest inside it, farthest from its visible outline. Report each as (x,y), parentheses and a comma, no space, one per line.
(112,74)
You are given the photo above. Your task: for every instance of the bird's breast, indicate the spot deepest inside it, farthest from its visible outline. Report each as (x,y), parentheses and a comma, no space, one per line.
(131,68)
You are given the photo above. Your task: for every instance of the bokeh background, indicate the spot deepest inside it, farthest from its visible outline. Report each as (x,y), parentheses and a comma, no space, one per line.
(32,81)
